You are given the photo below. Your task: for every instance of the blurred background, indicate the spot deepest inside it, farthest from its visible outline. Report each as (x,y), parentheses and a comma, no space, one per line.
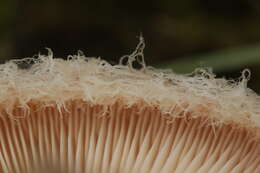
(182,35)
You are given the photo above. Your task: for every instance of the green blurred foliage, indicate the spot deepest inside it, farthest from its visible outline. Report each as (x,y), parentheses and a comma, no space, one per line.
(181,35)
(6,14)
(220,61)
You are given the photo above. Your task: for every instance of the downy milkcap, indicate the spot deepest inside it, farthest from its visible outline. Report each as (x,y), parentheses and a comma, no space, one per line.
(86,115)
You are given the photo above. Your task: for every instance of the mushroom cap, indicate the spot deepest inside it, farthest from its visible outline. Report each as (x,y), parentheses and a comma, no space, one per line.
(93,80)
(86,115)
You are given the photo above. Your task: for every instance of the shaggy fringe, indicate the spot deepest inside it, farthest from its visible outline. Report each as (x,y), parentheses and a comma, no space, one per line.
(93,80)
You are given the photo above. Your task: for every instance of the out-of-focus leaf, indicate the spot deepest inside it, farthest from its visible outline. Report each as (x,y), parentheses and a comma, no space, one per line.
(6,12)
(220,61)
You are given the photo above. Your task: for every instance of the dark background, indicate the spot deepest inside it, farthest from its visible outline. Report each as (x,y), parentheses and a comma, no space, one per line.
(179,34)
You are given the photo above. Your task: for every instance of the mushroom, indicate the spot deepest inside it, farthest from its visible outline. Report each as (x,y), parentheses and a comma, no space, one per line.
(83,115)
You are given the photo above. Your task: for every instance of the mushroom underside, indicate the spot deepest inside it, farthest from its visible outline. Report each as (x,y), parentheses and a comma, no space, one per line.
(85,139)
